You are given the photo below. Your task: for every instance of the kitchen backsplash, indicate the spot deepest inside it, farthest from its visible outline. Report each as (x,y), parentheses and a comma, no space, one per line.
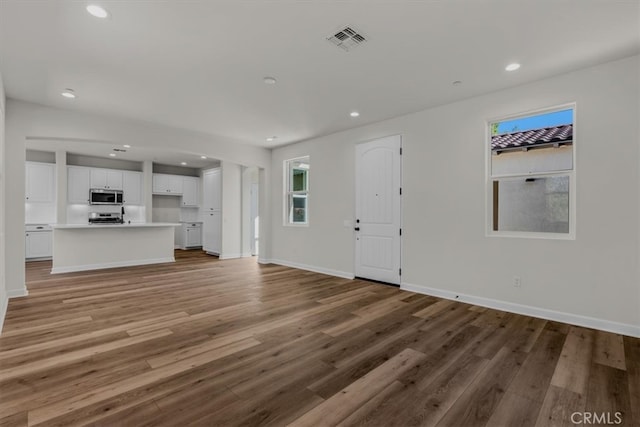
(79,214)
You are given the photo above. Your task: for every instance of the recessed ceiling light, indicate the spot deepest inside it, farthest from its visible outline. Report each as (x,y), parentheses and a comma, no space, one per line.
(112,154)
(354,114)
(271,138)
(68,93)
(126,146)
(183,163)
(97,11)
(512,67)
(269,80)
(203,157)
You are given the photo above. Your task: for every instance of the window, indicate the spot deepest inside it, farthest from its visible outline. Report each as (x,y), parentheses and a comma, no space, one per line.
(297,191)
(531,175)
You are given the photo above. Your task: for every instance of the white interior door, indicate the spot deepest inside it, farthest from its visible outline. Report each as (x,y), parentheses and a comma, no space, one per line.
(378,209)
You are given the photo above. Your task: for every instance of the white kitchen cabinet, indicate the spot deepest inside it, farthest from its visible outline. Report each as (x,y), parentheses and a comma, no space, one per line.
(212,232)
(190,191)
(167,184)
(106,178)
(132,188)
(40,182)
(211,211)
(212,190)
(175,184)
(38,242)
(78,184)
(191,235)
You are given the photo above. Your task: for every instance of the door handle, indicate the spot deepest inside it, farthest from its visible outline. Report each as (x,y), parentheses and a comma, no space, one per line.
(357,228)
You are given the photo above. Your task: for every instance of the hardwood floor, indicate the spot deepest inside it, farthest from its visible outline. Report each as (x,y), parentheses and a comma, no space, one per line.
(225,343)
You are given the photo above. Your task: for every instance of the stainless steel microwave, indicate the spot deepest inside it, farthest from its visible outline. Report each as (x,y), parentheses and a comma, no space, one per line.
(99,196)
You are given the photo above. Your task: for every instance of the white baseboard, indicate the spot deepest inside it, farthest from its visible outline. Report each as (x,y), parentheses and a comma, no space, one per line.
(574,319)
(322,270)
(230,256)
(15,293)
(86,267)
(4,302)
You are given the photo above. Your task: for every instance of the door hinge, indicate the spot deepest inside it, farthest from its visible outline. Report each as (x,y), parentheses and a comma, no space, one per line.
(401,151)
(399,272)
(401,191)
(401,231)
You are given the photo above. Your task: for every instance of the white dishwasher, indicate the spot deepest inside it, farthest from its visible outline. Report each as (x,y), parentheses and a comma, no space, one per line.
(191,235)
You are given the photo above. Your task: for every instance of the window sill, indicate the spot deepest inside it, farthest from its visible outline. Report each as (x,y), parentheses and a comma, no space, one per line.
(532,235)
(296,225)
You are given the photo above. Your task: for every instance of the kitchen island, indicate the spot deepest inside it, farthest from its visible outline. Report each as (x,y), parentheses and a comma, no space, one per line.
(80,247)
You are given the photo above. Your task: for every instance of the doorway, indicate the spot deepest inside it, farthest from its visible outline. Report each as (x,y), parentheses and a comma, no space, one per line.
(378,226)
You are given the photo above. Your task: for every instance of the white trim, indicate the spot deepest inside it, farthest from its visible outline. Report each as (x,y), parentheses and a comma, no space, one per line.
(559,316)
(4,303)
(15,293)
(230,256)
(58,270)
(287,183)
(321,270)
(571,173)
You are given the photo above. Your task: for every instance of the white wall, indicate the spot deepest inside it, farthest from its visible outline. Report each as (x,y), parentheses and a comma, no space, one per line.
(3,270)
(231,211)
(592,279)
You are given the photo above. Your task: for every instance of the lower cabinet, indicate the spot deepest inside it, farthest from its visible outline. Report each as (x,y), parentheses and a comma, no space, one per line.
(191,235)
(211,232)
(38,242)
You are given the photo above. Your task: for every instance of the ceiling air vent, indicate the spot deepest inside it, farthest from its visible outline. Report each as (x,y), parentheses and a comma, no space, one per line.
(347,38)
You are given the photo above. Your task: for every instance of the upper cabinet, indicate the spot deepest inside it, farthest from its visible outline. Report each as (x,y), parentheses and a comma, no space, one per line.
(132,188)
(167,184)
(106,178)
(190,191)
(78,184)
(212,190)
(40,182)
(81,179)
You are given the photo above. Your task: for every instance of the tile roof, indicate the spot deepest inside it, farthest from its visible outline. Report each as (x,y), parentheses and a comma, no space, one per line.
(555,135)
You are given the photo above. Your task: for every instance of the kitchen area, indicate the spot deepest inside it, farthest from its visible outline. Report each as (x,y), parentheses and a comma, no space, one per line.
(87,212)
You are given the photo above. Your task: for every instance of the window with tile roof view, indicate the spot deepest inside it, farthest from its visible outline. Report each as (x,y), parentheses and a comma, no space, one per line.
(531,177)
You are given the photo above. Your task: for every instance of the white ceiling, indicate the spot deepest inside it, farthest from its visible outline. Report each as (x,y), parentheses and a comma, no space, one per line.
(199,64)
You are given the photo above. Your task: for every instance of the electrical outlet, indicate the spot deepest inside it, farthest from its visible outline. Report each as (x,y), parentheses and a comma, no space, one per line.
(517,282)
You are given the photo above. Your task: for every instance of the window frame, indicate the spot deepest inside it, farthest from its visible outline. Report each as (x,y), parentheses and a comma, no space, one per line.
(290,193)
(571,173)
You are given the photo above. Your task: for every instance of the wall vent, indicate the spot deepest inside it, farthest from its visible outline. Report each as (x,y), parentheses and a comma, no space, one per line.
(347,38)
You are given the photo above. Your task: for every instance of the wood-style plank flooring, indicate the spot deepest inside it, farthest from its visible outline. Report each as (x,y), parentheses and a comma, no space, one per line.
(223,343)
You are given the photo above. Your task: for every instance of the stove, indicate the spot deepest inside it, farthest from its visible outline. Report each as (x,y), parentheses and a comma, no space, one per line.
(105,218)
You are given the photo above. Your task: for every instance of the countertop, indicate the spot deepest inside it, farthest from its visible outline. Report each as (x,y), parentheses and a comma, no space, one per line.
(132,225)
